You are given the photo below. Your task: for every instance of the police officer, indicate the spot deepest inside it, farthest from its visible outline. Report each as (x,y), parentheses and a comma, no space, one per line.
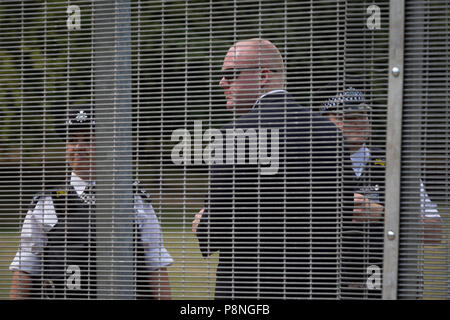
(364,182)
(57,255)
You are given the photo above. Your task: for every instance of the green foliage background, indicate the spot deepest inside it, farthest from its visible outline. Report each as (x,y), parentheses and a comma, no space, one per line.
(177,52)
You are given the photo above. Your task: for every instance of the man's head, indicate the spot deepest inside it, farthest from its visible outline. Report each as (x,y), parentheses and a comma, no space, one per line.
(251,68)
(348,110)
(80,145)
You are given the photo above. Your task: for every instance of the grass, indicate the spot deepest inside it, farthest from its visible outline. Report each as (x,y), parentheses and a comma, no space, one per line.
(193,277)
(8,246)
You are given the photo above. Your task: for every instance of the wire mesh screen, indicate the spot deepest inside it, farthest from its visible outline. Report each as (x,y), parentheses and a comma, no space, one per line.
(205,149)
(278,234)
(423,261)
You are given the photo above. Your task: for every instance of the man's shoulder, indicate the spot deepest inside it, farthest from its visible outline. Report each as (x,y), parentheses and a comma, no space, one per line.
(377,156)
(285,105)
(42,199)
(280,96)
(140,191)
(274,109)
(279,102)
(49,195)
(58,189)
(288,116)
(377,151)
(280,111)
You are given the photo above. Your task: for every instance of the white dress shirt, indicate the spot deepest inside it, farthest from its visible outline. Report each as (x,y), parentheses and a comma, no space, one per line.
(42,218)
(360,159)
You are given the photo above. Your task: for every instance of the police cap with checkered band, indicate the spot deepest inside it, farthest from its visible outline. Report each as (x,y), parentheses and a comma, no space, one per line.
(348,100)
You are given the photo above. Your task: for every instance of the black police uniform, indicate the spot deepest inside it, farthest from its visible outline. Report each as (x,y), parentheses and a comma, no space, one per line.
(69,256)
(362,241)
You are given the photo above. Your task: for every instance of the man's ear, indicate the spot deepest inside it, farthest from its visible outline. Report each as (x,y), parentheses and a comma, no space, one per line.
(265,77)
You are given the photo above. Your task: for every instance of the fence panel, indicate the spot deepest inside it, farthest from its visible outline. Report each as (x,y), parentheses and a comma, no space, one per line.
(145,101)
(423,255)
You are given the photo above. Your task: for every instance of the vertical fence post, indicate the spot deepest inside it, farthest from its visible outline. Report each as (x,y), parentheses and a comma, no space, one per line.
(114,194)
(393,148)
(414,80)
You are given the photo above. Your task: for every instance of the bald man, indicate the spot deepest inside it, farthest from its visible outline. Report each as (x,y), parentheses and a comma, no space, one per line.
(275,231)
(259,66)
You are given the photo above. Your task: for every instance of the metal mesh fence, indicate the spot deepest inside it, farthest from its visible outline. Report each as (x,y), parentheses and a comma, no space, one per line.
(423,257)
(219,150)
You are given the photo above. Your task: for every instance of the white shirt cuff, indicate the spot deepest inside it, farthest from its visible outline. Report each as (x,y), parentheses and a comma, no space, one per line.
(157,259)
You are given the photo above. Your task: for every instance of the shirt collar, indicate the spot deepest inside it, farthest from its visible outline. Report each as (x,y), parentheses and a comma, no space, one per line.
(78,184)
(267,93)
(359,159)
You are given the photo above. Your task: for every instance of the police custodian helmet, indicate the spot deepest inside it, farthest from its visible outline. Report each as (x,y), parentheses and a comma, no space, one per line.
(349,100)
(78,118)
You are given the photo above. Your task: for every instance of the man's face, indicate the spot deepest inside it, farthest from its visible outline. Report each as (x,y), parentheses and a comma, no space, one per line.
(241,80)
(80,154)
(355,127)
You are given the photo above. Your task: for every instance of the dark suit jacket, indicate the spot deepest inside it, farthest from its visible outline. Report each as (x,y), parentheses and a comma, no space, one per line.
(362,241)
(278,235)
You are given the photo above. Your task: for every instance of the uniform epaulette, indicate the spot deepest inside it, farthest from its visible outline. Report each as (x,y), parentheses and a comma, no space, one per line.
(139,191)
(48,192)
(36,198)
(379,162)
(60,190)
